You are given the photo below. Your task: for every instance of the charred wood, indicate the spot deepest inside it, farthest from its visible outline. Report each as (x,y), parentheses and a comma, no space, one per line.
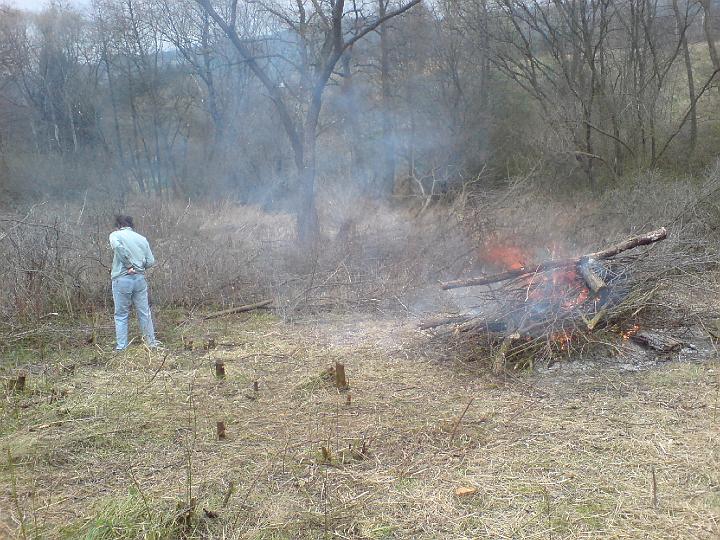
(657,341)
(594,282)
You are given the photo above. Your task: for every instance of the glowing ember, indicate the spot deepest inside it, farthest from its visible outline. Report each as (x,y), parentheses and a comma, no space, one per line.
(627,334)
(562,339)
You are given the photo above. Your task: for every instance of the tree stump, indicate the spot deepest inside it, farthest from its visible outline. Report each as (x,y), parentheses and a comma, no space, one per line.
(17,385)
(340,379)
(220,369)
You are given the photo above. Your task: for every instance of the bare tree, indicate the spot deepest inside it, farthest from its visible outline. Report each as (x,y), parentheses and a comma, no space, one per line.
(316,62)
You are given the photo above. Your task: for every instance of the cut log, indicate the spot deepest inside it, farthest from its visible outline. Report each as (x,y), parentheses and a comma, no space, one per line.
(607,253)
(238,309)
(594,283)
(630,243)
(491,327)
(658,342)
(510,274)
(592,323)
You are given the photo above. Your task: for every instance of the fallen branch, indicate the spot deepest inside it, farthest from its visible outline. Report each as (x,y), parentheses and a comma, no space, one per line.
(64,421)
(440,321)
(239,309)
(630,243)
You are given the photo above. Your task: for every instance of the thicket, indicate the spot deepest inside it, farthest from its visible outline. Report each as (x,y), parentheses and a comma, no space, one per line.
(57,258)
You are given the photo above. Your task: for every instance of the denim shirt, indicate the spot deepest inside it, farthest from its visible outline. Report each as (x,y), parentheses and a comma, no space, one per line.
(130,250)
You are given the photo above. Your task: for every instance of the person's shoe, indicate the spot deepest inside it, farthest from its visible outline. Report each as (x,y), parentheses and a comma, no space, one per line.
(117,350)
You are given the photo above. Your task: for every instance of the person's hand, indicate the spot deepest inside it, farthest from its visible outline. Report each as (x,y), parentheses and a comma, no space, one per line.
(131,270)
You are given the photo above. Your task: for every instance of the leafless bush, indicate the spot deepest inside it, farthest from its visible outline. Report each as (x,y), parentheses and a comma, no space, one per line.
(57,259)
(371,256)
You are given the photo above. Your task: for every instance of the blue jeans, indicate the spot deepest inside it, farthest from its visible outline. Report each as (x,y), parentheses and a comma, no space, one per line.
(129,290)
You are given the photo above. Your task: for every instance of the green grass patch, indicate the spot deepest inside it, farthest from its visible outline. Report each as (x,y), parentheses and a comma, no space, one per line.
(129,518)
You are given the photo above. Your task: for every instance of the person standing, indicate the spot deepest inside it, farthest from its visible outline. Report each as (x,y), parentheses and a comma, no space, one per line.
(131,258)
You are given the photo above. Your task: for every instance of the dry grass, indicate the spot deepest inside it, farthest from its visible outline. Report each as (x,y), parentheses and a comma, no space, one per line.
(102,446)
(105,446)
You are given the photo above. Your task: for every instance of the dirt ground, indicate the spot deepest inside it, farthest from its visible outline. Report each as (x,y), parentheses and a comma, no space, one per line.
(125,446)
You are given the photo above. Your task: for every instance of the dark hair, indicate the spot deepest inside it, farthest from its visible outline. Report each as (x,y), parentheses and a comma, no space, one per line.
(123,221)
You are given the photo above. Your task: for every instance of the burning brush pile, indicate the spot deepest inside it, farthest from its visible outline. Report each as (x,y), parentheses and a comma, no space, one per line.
(537,312)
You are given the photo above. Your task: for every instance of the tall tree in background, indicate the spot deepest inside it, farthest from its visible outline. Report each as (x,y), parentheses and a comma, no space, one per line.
(682,24)
(388,142)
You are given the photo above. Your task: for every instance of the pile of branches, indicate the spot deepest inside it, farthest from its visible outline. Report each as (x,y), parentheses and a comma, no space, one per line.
(538,312)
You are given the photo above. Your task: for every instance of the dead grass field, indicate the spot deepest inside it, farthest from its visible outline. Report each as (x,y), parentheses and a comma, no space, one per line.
(116,446)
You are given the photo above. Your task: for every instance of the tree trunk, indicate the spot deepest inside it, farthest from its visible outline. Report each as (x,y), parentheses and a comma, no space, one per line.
(682,27)
(589,150)
(113,104)
(709,34)
(209,79)
(308,225)
(358,165)
(71,119)
(387,174)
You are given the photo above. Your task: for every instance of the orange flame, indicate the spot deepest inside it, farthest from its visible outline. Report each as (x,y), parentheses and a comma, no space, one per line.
(506,257)
(563,286)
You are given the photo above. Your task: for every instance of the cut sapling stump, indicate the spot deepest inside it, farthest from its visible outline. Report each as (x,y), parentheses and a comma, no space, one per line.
(340,379)
(219,369)
(18,384)
(501,356)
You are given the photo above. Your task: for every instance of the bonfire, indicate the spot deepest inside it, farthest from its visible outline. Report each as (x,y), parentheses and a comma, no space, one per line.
(536,311)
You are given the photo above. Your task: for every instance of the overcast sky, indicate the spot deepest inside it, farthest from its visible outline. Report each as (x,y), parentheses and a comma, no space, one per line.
(36,5)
